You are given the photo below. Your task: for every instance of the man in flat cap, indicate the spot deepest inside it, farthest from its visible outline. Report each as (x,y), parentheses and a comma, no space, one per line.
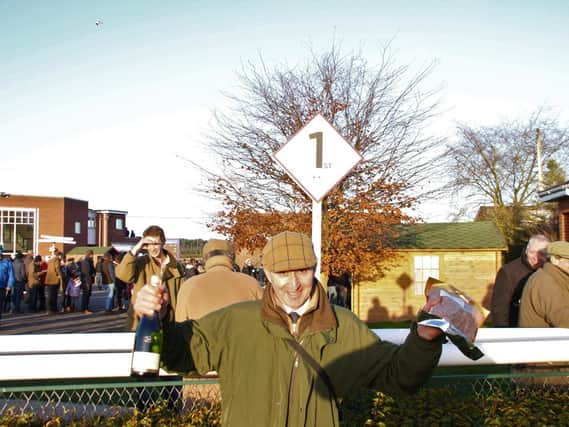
(545,303)
(287,359)
(218,287)
(545,300)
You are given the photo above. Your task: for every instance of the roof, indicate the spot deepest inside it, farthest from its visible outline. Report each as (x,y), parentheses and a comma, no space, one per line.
(82,250)
(451,235)
(554,193)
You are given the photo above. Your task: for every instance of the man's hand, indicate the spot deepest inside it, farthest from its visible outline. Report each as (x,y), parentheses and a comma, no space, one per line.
(150,299)
(428,332)
(136,248)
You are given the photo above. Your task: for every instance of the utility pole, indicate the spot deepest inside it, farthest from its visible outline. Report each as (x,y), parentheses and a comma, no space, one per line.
(539,165)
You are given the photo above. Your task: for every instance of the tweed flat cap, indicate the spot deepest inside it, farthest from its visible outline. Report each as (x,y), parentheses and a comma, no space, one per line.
(216,247)
(288,251)
(559,248)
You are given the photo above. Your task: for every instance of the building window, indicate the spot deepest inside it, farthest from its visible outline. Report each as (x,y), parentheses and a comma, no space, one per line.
(90,223)
(119,224)
(77,227)
(425,266)
(17,229)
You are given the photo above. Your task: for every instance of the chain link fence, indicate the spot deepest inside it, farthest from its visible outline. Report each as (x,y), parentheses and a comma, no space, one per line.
(109,398)
(112,398)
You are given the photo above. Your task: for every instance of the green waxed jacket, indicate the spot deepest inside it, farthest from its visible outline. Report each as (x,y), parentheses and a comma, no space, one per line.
(263,381)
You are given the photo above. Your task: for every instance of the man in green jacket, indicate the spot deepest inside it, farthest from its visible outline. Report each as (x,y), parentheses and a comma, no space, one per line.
(265,378)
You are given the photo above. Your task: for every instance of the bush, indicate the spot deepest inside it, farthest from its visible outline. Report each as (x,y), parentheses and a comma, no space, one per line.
(156,415)
(433,406)
(522,406)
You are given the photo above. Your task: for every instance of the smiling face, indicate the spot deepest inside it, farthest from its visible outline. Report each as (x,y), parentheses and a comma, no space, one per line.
(292,288)
(535,253)
(153,246)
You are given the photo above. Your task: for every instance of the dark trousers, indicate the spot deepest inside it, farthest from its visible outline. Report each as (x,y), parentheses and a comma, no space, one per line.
(41,297)
(18,293)
(52,291)
(120,289)
(85,296)
(37,296)
(2,298)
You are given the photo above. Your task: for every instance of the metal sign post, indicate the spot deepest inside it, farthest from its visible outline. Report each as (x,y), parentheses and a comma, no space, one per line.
(317,233)
(317,158)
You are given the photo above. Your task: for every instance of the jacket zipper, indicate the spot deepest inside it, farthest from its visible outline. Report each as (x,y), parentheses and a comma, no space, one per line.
(293,374)
(291,388)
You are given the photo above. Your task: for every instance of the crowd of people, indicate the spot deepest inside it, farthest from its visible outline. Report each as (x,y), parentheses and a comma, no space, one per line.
(59,284)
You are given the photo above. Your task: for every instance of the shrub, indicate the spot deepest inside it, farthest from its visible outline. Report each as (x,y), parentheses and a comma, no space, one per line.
(433,406)
(522,406)
(156,415)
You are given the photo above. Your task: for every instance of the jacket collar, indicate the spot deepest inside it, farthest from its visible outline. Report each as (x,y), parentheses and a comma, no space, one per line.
(319,317)
(218,261)
(171,270)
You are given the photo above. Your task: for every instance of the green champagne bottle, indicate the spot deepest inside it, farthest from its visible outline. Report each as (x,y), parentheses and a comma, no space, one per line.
(147,343)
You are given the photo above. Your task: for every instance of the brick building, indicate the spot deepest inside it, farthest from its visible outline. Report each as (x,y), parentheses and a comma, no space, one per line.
(34,223)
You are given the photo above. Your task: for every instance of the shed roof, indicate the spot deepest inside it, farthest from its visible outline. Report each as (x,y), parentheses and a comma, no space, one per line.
(554,193)
(451,235)
(82,250)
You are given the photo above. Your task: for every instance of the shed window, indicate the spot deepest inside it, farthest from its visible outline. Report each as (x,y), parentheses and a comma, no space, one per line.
(425,266)
(77,227)
(119,224)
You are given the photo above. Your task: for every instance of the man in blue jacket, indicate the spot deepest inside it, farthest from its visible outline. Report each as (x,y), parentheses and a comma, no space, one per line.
(6,278)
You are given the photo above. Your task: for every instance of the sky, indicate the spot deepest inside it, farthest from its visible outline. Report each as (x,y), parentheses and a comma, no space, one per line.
(107,113)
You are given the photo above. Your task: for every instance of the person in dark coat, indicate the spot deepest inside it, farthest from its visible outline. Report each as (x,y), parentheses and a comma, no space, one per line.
(87,278)
(20,280)
(512,276)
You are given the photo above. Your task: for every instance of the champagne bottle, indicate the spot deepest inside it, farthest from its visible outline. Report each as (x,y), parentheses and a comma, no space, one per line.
(147,343)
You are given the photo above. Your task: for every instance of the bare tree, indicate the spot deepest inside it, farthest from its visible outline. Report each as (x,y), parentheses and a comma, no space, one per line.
(380,110)
(498,165)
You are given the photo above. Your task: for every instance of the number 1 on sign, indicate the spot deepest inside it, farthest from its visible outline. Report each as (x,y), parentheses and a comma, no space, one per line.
(318,137)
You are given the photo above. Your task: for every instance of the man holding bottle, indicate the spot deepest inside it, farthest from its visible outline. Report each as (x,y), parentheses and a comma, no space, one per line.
(137,267)
(292,352)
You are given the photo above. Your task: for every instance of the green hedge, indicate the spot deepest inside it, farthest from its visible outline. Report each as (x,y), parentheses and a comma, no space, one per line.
(155,415)
(520,406)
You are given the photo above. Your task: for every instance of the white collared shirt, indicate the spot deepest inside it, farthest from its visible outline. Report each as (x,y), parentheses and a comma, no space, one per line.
(300,310)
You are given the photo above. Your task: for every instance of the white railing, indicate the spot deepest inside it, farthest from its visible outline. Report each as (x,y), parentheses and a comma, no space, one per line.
(502,346)
(108,355)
